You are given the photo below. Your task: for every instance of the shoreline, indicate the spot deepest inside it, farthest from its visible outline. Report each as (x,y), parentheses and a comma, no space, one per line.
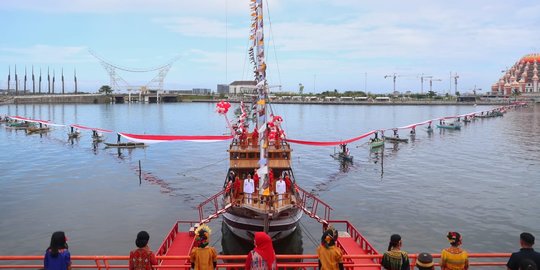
(112,99)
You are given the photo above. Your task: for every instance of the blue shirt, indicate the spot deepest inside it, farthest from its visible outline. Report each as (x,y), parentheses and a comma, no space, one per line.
(60,262)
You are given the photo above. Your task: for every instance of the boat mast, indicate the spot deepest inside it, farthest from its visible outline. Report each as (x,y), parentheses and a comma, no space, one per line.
(256,54)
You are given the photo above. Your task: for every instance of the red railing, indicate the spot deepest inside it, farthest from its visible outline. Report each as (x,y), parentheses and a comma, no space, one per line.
(305,262)
(309,203)
(169,239)
(360,240)
(215,200)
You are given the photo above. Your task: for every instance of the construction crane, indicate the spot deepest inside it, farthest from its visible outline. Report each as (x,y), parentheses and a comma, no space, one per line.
(394,76)
(422,78)
(431,83)
(455,77)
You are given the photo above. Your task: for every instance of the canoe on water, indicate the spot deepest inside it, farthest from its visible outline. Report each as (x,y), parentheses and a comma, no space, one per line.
(125,145)
(376,144)
(31,130)
(342,157)
(449,126)
(396,139)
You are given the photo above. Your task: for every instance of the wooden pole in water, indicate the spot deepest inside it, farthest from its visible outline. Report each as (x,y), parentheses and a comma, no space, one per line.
(140,173)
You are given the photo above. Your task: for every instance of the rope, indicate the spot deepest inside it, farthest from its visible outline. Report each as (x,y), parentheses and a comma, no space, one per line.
(273,43)
(205,166)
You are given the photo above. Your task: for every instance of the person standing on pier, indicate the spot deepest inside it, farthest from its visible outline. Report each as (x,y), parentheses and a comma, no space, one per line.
(395,258)
(454,257)
(330,257)
(526,253)
(57,256)
(262,257)
(203,257)
(142,258)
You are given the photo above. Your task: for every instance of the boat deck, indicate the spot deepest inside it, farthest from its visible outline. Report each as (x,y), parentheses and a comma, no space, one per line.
(352,244)
(350,247)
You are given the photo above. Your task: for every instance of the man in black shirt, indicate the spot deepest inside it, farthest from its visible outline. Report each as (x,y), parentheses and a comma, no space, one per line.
(525,253)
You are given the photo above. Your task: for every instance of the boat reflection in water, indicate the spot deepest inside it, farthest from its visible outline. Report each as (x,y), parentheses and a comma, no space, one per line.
(234,245)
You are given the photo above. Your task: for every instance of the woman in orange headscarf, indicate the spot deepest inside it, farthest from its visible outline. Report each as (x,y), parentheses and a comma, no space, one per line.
(262,257)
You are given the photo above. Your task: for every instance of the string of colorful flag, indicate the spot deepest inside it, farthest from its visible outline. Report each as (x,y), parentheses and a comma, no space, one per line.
(223,109)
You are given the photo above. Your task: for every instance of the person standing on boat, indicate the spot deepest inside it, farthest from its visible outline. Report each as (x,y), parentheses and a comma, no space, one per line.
(396,135)
(249,188)
(142,258)
(330,257)
(255,137)
(454,257)
(288,182)
(237,186)
(395,258)
(281,188)
(262,257)
(57,256)
(526,240)
(202,256)
(256,181)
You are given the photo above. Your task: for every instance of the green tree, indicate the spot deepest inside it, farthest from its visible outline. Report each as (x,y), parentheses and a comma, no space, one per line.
(431,94)
(105,89)
(516,93)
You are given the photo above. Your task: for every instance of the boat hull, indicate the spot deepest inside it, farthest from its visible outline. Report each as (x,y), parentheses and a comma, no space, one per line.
(394,139)
(449,127)
(278,228)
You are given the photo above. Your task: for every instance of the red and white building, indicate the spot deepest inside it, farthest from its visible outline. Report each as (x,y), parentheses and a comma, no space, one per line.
(522,77)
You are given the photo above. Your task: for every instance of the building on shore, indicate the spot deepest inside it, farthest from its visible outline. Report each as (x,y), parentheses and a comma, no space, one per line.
(522,77)
(242,87)
(223,89)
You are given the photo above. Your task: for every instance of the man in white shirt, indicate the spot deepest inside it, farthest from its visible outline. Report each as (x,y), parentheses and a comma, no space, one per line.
(281,188)
(249,188)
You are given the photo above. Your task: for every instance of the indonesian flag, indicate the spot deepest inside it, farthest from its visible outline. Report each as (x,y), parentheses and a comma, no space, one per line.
(145,138)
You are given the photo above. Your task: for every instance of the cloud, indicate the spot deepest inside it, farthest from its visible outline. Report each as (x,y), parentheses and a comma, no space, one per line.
(125,6)
(45,54)
(201,27)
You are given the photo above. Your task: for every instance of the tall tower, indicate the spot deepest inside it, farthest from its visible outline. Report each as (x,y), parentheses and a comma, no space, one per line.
(48,81)
(16,82)
(75,79)
(24,91)
(63,92)
(33,81)
(9,79)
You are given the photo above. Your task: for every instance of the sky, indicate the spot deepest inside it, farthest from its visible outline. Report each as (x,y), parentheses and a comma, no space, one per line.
(347,45)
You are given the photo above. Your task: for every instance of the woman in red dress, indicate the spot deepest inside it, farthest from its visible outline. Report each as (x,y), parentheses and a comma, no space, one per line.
(142,258)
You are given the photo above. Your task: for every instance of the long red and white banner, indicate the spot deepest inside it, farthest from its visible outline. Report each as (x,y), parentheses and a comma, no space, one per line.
(145,138)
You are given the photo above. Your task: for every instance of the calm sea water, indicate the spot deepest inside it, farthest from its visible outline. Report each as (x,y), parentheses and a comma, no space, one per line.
(482,181)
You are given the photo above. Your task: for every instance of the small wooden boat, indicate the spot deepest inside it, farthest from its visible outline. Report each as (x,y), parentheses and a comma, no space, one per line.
(126,145)
(396,139)
(37,130)
(74,135)
(376,143)
(342,157)
(450,126)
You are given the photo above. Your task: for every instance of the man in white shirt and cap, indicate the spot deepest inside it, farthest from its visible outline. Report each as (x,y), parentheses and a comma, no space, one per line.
(249,188)
(281,188)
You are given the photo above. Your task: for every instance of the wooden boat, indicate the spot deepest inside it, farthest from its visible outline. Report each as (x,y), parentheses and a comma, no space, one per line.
(396,139)
(450,126)
(126,145)
(342,157)
(376,143)
(37,130)
(19,125)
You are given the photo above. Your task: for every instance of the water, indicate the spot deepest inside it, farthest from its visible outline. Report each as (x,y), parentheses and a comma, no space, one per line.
(481,181)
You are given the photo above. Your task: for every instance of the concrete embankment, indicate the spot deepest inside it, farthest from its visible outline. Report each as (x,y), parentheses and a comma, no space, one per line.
(38,99)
